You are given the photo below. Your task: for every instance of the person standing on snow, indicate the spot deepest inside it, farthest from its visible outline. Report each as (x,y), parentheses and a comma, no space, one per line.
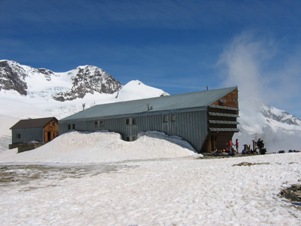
(230,144)
(237,145)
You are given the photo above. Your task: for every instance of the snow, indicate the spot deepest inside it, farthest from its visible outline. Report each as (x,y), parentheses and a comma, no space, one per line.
(76,147)
(101,180)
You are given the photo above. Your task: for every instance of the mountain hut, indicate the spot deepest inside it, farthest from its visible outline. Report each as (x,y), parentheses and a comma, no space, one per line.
(207,119)
(30,133)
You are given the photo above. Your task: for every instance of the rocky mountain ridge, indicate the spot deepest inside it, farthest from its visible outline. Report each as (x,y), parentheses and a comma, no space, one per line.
(64,86)
(280,115)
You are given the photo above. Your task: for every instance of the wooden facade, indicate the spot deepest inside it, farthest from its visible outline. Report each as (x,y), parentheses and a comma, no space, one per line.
(222,121)
(40,130)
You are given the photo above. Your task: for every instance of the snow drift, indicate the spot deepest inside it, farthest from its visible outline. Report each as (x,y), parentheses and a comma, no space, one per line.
(76,147)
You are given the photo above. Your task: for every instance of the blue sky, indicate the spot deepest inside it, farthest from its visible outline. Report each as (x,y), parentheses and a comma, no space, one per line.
(178,46)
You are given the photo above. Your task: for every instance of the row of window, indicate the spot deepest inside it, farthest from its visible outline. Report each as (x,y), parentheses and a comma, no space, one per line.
(128,121)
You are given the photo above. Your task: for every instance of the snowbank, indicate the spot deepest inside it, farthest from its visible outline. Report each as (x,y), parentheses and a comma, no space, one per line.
(76,147)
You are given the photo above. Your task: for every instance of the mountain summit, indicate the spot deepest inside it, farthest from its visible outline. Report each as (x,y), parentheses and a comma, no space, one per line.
(65,86)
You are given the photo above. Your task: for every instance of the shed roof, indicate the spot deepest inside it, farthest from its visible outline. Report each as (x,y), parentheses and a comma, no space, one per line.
(33,123)
(156,104)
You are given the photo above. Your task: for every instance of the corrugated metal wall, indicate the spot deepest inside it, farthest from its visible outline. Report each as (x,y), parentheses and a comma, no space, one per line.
(190,125)
(27,135)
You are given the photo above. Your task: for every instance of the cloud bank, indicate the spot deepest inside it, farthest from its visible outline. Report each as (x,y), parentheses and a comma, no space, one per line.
(262,68)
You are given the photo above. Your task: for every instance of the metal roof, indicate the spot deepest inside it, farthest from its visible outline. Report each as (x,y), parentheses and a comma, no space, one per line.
(33,123)
(157,104)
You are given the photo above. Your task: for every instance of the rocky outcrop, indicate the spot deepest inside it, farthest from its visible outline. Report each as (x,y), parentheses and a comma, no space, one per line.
(293,194)
(80,81)
(89,79)
(12,78)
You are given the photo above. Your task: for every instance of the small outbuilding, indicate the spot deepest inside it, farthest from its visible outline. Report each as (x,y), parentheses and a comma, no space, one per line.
(30,133)
(207,119)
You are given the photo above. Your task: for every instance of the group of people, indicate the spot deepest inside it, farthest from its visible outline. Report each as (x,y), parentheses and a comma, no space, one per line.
(232,149)
(258,148)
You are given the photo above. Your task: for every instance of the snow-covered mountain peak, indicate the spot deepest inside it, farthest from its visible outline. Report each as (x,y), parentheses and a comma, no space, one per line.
(279,129)
(45,83)
(280,115)
(136,89)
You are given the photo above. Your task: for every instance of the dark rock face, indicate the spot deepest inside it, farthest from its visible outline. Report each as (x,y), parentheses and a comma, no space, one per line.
(89,80)
(85,79)
(12,78)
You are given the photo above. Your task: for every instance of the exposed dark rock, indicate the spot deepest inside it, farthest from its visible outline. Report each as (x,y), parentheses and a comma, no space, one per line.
(293,194)
(12,78)
(251,164)
(89,80)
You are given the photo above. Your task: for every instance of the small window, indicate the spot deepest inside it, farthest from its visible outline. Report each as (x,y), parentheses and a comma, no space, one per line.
(165,118)
(173,118)
(18,135)
(130,121)
(134,121)
(98,124)
(73,126)
(69,126)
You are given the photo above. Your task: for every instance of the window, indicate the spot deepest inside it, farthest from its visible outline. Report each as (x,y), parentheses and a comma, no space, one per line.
(71,126)
(133,121)
(173,118)
(165,118)
(98,124)
(18,135)
(130,121)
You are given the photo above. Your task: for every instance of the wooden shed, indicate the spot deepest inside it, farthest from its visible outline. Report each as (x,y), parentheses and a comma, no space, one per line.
(207,119)
(33,132)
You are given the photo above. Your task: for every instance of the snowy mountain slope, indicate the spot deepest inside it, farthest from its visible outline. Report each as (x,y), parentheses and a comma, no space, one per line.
(279,129)
(47,84)
(26,92)
(62,94)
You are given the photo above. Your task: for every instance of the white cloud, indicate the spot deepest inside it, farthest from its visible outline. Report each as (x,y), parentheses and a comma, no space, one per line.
(261,68)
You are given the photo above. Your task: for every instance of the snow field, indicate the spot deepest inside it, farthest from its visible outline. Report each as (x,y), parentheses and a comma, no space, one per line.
(163,192)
